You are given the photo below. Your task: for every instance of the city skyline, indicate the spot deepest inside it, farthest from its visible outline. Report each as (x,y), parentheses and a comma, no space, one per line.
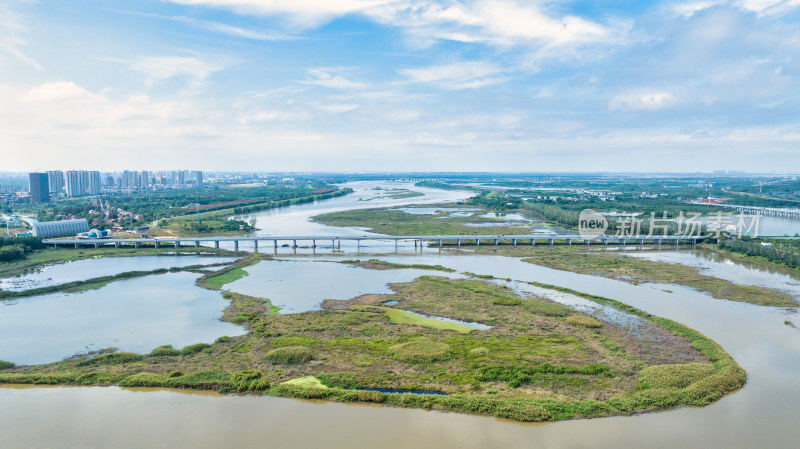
(402,85)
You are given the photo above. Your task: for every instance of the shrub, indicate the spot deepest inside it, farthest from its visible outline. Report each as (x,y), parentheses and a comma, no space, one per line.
(175,373)
(202,380)
(347,381)
(145,380)
(114,358)
(248,380)
(584,321)
(289,355)
(422,350)
(522,411)
(223,339)
(479,352)
(6,365)
(163,351)
(194,349)
(363,396)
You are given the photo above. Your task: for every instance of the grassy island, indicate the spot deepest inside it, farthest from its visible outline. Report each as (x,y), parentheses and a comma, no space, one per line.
(530,359)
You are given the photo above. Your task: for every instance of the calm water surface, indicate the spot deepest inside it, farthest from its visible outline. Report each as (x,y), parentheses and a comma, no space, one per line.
(132,315)
(80,270)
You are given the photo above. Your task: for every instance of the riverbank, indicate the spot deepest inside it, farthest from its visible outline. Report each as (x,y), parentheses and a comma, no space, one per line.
(536,363)
(616,265)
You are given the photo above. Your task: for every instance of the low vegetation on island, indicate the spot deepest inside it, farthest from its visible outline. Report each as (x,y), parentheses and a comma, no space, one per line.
(534,360)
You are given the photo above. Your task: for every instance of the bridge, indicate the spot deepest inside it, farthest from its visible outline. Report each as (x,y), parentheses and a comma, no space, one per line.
(276,241)
(792,214)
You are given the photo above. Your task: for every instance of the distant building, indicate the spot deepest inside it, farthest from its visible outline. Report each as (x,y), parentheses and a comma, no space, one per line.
(181,178)
(39,187)
(93,187)
(198,178)
(77,183)
(55,179)
(63,228)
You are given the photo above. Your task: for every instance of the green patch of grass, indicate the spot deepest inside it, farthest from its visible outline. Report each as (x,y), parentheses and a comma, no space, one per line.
(305,382)
(398,316)
(584,321)
(289,355)
(6,365)
(344,380)
(381,263)
(114,358)
(546,308)
(421,351)
(674,376)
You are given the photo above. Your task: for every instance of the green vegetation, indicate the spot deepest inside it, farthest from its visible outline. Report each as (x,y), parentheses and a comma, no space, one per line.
(305,382)
(381,264)
(617,265)
(421,350)
(16,248)
(397,222)
(584,321)
(781,252)
(532,365)
(6,365)
(289,355)
(403,317)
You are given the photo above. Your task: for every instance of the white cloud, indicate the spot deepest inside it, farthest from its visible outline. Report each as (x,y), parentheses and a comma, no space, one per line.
(300,13)
(331,77)
(12,29)
(643,100)
(456,76)
(160,68)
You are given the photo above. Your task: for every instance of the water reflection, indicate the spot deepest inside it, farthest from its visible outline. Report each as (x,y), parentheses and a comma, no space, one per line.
(80,270)
(133,315)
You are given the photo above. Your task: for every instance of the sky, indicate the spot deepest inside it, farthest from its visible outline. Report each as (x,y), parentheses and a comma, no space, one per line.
(400,85)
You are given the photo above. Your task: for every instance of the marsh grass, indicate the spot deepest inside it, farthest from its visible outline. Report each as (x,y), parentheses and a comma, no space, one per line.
(584,321)
(421,351)
(289,355)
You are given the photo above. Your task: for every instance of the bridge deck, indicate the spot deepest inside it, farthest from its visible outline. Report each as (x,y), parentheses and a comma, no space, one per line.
(396,238)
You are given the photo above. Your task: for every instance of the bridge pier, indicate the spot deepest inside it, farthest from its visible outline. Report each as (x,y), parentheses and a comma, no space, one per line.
(458,241)
(533,242)
(157,246)
(294,243)
(216,244)
(275,244)
(477,242)
(514,242)
(496,241)
(440,243)
(255,246)
(236,245)
(116,244)
(97,245)
(552,241)
(177,243)
(313,243)
(569,241)
(197,243)
(135,245)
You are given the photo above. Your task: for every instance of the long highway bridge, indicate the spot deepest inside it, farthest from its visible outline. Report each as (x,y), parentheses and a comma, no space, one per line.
(792,214)
(311,240)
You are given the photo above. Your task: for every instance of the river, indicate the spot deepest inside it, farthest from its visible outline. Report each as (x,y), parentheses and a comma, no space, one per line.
(763,414)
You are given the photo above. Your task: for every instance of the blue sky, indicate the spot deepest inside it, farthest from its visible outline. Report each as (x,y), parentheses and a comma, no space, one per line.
(504,85)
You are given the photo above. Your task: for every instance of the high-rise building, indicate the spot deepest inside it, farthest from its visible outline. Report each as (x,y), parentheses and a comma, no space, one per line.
(181,178)
(198,178)
(77,183)
(93,184)
(145,179)
(109,181)
(39,187)
(55,180)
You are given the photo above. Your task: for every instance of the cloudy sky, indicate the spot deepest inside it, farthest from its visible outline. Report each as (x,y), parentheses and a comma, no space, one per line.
(447,85)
